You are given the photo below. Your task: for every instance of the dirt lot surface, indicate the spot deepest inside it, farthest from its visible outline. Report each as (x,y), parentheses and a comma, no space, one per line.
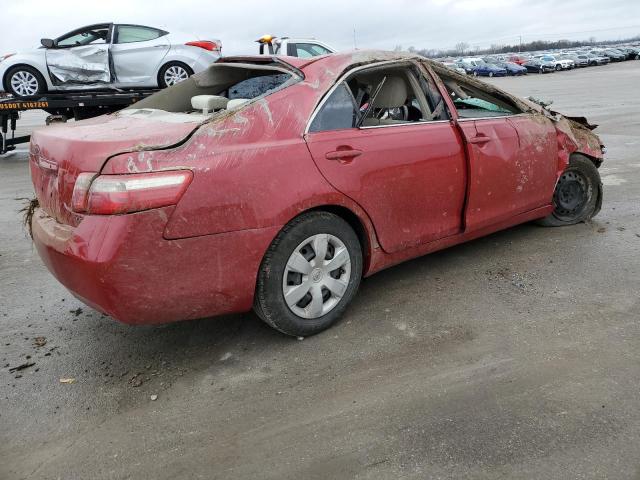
(513,356)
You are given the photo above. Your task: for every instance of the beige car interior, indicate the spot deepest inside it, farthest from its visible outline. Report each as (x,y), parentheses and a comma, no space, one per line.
(209,92)
(394,94)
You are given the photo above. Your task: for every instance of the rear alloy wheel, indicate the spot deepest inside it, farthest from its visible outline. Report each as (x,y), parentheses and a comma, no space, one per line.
(309,275)
(558,68)
(578,194)
(24,81)
(172,73)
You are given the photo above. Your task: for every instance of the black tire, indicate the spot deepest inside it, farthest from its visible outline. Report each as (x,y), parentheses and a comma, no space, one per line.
(161,74)
(269,302)
(578,194)
(558,68)
(42,84)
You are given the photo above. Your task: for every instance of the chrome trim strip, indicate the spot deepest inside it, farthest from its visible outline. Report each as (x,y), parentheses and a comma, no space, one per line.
(476,119)
(426,122)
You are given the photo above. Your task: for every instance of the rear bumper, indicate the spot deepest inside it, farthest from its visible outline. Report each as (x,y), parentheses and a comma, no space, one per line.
(122,266)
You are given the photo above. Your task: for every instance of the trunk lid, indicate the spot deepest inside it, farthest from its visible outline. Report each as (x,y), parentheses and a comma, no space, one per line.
(59,153)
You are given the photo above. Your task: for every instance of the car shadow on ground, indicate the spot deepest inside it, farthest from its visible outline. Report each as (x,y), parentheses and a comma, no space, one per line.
(199,342)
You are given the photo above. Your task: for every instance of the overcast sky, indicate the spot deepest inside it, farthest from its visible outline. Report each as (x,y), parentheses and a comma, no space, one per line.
(378,23)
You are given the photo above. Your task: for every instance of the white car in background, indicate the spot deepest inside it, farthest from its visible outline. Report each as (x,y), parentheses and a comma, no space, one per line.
(106,55)
(559,63)
(293,47)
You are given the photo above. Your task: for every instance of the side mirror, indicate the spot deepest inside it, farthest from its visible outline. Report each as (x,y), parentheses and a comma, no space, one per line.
(48,43)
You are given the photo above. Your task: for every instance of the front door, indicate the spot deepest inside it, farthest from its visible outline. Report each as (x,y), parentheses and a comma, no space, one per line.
(404,166)
(512,166)
(81,58)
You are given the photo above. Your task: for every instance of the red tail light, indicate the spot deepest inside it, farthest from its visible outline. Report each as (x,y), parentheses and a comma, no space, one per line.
(114,194)
(206,44)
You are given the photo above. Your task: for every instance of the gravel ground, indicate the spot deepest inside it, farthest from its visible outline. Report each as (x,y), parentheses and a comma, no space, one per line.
(513,356)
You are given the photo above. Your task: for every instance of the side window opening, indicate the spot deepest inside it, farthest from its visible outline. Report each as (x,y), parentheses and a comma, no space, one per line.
(473,102)
(381,97)
(386,97)
(92,36)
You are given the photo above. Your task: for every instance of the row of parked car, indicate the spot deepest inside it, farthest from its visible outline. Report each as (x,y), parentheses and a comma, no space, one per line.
(542,62)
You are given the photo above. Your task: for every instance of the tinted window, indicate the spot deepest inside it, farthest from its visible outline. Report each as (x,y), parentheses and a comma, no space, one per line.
(256,86)
(133,33)
(91,36)
(307,50)
(337,113)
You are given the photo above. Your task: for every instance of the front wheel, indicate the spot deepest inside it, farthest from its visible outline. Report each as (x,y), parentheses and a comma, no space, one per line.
(578,194)
(172,73)
(309,275)
(25,81)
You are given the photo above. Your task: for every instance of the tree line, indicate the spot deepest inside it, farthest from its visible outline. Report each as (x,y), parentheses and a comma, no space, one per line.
(463,48)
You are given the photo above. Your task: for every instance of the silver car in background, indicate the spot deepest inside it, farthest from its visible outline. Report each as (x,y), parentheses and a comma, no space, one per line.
(106,55)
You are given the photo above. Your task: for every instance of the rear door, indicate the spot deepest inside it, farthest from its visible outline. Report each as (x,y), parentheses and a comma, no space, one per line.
(137,53)
(513,156)
(404,166)
(81,57)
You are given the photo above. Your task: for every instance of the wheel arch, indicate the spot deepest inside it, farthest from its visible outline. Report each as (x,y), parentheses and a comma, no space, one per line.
(165,62)
(5,77)
(596,162)
(358,221)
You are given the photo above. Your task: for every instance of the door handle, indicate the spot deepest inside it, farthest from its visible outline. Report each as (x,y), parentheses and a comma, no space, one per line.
(479,140)
(343,154)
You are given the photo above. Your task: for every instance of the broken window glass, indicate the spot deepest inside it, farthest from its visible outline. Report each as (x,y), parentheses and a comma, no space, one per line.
(231,80)
(472,101)
(256,86)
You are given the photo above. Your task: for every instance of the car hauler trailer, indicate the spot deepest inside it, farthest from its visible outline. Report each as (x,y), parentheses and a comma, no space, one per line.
(61,107)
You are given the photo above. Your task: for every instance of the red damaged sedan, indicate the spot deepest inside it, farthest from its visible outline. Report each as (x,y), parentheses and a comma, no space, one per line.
(278,183)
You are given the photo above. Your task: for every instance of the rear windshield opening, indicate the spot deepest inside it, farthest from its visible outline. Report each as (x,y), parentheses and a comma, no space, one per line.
(224,85)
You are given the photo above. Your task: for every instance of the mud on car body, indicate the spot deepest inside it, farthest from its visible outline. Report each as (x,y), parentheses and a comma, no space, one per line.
(278,183)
